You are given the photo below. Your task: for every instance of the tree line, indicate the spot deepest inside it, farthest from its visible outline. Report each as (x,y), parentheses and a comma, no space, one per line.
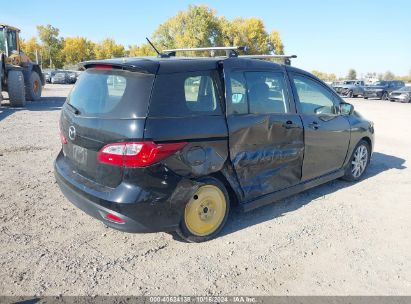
(352,74)
(198,26)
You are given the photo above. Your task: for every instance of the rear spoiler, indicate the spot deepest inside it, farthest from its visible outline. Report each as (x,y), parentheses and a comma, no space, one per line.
(141,66)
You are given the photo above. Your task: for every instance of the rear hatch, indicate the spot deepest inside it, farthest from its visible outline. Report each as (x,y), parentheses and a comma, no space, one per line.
(106,106)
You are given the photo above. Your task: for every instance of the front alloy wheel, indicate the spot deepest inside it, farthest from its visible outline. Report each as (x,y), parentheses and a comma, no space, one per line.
(359,162)
(206,212)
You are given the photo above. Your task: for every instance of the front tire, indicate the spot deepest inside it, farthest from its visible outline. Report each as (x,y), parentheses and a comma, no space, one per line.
(206,213)
(350,94)
(15,85)
(359,162)
(384,96)
(34,87)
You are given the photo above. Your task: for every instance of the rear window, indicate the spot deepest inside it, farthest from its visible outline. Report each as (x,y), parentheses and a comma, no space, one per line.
(112,94)
(185,94)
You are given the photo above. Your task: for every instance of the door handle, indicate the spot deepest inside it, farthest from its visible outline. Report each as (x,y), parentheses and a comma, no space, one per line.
(314,125)
(290,125)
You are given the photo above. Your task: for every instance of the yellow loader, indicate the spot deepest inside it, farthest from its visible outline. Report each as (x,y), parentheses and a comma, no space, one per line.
(19,76)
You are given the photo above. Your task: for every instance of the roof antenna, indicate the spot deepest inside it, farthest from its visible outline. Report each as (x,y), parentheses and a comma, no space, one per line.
(158,53)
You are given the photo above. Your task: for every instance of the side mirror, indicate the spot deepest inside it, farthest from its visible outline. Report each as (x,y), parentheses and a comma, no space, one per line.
(236,97)
(346,108)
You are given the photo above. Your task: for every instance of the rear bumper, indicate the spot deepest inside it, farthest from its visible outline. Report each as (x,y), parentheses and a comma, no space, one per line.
(141,210)
(97,211)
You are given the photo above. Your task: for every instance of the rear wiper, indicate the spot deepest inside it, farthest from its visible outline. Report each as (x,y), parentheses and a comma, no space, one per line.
(76,111)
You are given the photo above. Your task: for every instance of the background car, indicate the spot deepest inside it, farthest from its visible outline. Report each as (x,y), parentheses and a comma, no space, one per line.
(47,76)
(71,77)
(350,88)
(382,89)
(402,95)
(58,78)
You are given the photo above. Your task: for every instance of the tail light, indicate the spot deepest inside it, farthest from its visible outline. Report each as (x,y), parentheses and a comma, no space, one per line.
(137,154)
(63,139)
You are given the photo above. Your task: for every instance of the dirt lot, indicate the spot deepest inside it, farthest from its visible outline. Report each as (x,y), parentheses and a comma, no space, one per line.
(339,238)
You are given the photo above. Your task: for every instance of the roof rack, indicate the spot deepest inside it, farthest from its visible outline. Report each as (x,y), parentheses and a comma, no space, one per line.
(267,56)
(287,58)
(231,51)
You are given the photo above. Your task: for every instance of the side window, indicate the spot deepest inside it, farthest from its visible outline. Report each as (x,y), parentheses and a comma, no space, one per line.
(266,92)
(314,98)
(199,93)
(238,103)
(12,42)
(2,42)
(185,94)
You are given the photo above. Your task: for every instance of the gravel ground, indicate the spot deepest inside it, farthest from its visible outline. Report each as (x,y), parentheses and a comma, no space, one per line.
(337,239)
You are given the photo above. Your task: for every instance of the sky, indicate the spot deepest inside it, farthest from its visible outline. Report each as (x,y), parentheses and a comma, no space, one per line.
(329,36)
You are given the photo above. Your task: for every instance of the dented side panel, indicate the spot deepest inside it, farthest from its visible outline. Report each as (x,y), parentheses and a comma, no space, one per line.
(266,155)
(266,150)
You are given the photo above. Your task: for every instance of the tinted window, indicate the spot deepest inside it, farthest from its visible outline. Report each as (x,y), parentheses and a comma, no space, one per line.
(185,94)
(111,93)
(266,92)
(314,98)
(237,104)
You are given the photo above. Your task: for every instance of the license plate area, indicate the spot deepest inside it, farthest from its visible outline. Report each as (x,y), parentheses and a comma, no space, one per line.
(79,155)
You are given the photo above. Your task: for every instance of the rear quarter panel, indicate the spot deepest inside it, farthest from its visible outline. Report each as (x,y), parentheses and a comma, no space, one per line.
(206,136)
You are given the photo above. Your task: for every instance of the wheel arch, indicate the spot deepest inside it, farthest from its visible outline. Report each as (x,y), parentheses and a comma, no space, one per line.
(36,68)
(32,67)
(234,197)
(368,141)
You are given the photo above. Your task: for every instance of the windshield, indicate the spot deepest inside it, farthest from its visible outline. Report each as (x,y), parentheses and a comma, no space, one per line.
(406,89)
(112,94)
(380,83)
(348,82)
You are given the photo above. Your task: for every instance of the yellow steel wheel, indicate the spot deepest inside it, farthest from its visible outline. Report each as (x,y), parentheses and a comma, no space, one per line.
(206,210)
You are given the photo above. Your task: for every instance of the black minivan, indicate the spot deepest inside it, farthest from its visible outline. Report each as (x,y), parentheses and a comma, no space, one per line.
(168,144)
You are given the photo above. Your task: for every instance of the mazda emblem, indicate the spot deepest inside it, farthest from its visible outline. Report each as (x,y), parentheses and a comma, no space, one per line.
(72,133)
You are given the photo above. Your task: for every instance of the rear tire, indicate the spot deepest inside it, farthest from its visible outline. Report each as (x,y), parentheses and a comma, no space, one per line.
(34,87)
(206,213)
(15,85)
(359,161)
(365,97)
(384,96)
(350,94)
